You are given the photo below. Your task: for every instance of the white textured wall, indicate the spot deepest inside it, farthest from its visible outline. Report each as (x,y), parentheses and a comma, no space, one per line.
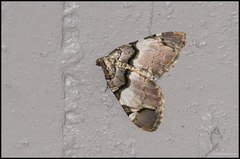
(53,95)
(32,87)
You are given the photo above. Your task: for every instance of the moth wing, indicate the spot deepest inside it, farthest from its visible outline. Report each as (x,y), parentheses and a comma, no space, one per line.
(158,53)
(142,100)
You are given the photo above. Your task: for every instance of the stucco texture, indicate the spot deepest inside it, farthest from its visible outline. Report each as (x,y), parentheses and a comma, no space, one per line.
(54,101)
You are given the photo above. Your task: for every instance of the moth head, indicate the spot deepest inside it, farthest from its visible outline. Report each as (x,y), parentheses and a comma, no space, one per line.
(108,66)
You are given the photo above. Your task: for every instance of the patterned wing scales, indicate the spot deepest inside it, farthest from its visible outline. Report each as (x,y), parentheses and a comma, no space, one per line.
(116,76)
(143,101)
(158,53)
(131,70)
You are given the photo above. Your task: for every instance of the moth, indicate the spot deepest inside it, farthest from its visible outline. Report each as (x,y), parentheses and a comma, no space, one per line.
(131,71)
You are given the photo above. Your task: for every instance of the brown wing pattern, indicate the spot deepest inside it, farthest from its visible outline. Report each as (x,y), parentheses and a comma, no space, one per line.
(129,72)
(158,53)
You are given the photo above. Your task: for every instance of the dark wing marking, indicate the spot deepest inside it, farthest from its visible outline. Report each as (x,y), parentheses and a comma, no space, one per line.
(129,71)
(143,101)
(158,53)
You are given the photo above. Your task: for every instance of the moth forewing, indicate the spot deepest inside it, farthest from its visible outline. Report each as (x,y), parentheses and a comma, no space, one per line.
(132,69)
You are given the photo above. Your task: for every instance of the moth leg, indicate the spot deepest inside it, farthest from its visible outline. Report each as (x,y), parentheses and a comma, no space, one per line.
(106,89)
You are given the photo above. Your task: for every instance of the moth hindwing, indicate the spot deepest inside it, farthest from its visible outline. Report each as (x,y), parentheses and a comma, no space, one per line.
(131,71)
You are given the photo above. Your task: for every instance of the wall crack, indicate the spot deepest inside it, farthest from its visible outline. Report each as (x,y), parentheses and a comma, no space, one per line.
(150,21)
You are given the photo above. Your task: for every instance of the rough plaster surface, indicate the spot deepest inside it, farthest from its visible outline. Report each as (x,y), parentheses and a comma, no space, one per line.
(53,95)
(32,95)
